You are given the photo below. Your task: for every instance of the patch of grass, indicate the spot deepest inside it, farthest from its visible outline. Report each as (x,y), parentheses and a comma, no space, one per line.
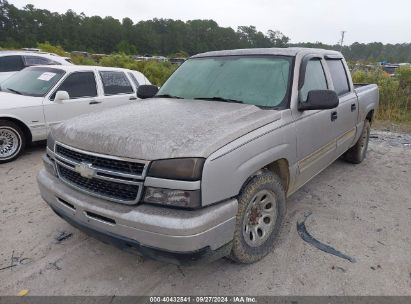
(395,93)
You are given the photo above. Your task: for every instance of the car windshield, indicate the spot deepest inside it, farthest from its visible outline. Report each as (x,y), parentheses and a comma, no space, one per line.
(34,81)
(260,81)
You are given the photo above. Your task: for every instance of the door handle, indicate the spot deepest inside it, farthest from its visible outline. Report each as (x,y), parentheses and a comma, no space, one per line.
(334,116)
(353,107)
(94,102)
(132,98)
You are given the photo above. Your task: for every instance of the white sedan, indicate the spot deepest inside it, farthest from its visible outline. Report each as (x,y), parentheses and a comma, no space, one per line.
(13,61)
(37,97)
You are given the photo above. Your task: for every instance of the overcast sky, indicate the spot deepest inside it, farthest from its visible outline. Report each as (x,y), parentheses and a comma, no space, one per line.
(301,20)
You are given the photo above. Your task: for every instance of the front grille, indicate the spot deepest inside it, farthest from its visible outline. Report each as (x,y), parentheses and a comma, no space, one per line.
(127,167)
(110,178)
(109,189)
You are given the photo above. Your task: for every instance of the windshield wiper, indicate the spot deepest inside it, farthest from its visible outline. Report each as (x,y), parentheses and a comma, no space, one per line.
(15,91)
(217,98)
(168,96)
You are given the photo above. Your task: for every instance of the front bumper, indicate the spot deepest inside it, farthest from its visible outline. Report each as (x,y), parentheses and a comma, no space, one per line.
(159,232)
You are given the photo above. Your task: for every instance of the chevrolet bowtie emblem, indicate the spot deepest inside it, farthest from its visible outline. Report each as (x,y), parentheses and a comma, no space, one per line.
(85,170)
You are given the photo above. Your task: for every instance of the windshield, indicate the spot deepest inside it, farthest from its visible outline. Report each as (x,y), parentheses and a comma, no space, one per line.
(260,81)
(34,81)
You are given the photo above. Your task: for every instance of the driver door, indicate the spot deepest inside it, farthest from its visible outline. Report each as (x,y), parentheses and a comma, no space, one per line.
(82,89)
(316,137)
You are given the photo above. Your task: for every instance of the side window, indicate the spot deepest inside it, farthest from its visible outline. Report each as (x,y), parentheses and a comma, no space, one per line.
(79,84)
(11,63)
(314,79)
(115,83)
(36,60)
(134,79)
(339,76)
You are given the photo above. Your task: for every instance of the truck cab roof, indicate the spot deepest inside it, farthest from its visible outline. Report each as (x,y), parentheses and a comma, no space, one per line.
(291,51)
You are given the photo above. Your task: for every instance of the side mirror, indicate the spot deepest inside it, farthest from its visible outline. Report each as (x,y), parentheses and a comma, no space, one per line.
(320,100)
(61,96)
(147,91)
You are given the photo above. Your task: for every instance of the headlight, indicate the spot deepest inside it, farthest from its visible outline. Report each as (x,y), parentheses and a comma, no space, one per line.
(50,142)
(187,169)
(171,197)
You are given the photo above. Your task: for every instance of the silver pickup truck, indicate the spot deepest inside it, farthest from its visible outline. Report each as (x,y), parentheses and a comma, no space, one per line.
(201,168)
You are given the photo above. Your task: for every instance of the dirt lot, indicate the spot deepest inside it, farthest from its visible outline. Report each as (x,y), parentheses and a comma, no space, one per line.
(363,211)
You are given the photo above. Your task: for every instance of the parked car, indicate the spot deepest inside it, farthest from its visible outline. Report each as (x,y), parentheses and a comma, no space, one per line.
(38,97)
(202,168)
(177,61)
(14,61)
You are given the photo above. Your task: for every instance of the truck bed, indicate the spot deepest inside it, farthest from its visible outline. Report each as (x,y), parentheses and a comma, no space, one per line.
(368,97)
(360,87)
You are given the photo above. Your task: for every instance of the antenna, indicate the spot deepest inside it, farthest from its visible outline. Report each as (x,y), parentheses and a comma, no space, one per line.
(342,39)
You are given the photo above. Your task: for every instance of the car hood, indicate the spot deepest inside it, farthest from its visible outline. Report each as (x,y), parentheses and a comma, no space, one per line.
(11,101)
(162,128)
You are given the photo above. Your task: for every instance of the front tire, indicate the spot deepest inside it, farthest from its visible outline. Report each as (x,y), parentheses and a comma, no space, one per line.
(261,211)
(12,141)
(358,152)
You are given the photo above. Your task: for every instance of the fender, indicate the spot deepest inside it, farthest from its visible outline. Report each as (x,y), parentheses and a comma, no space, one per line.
(33,133)
(227,169)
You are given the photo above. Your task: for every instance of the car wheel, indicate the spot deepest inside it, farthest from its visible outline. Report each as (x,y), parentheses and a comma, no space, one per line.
(261,211)
(12,141)
(358,152)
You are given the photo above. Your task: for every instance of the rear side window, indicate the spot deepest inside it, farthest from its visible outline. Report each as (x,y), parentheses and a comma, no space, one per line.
(115,83)
(134,79)
(314,79)
(11,63)
(78,85)
(36,60)
(339,76)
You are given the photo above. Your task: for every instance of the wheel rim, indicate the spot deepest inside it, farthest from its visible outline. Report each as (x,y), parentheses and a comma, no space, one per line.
(260,218)
(9,142)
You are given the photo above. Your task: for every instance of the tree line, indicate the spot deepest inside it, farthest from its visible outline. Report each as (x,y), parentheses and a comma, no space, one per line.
(29,26)
(369,52)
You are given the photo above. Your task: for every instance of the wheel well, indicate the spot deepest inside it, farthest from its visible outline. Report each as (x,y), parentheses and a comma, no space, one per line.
(370,116)
(22,126)
(280,167)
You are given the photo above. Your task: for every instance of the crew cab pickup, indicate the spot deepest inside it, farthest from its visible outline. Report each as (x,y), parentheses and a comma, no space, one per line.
(38,97)
(201,169)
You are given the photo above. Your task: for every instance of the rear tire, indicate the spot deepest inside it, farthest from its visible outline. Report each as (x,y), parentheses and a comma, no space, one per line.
(12,141)
(261,211)
(358,152)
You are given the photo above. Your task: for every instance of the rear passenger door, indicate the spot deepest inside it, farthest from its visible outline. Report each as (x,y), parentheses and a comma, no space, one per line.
(82,89)
(117,89)
(347,111)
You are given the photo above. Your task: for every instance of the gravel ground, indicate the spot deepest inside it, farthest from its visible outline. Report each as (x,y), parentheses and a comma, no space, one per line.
(361,210)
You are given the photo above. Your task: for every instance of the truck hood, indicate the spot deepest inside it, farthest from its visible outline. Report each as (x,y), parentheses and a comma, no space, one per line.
(11,101)
(162,128)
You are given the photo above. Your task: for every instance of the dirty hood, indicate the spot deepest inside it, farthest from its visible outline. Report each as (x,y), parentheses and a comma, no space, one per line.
(163,128)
